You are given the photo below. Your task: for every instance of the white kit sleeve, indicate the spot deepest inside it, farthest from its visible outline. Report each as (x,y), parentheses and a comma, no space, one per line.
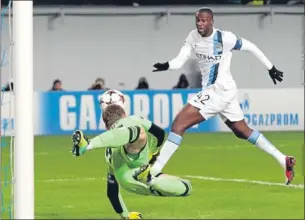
(183,55)
(237,43)
(248,46)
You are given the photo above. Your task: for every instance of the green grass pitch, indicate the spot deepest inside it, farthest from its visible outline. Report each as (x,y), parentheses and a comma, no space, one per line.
(70,187)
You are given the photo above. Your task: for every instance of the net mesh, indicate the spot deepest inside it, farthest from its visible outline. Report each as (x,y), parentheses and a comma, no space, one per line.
(6,138)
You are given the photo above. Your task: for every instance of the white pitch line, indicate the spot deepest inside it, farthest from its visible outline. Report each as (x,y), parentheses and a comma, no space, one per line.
(300,186)
(216,179)
(71,179)
(57,180)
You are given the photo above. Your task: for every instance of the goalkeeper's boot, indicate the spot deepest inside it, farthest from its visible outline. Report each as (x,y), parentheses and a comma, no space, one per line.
(143,174)
(80,139)
(80,142)
(289,169)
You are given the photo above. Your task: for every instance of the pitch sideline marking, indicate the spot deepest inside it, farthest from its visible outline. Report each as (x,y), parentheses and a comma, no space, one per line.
(300,186)
(216,179)
(71,179)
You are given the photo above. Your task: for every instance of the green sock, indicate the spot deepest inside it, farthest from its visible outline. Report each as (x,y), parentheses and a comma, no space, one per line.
(166,185)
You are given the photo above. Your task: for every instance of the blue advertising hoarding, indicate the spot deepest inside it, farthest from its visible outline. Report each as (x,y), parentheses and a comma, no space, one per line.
(63,112)
(60,113)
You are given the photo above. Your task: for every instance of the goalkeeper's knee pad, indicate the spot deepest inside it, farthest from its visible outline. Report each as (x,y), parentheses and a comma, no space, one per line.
(188,187)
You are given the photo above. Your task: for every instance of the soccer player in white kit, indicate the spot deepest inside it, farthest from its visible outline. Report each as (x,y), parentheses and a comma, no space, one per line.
(213,49)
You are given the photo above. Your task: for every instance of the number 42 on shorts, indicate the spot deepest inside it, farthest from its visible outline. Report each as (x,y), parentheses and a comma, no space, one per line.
(202,98)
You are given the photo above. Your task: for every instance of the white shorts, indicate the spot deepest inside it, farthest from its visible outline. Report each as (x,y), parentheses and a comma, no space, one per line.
(214,101)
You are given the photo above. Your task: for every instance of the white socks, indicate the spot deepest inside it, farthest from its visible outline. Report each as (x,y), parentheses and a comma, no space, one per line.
(168,149)
(260,141)
(173,141)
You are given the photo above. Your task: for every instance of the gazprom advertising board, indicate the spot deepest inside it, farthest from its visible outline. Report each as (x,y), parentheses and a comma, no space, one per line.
(60,113)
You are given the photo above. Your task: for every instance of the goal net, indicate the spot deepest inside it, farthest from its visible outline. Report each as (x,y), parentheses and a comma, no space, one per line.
(16,137)
(6,96)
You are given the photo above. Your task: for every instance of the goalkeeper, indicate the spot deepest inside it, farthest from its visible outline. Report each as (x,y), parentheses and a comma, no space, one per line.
(132,143)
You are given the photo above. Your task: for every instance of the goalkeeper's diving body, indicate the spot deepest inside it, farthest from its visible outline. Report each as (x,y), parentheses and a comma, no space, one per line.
(132,143)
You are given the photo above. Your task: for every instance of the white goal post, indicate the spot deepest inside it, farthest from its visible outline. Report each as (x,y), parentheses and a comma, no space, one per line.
(24,123)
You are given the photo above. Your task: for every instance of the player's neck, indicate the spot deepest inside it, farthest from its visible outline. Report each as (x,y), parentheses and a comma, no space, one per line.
(208,34)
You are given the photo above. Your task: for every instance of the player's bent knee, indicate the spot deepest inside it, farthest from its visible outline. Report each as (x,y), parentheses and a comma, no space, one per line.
(186,118)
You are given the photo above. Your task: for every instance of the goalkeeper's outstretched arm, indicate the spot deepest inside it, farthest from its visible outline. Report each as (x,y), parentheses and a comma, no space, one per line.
(114,196)
(119,137)
(152,128)
(124,177)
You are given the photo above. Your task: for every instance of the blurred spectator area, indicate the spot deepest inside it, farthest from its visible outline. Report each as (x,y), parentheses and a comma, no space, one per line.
(142,84)
(182,83)
(147,2)
(99,84)
(56,85)
(56,40)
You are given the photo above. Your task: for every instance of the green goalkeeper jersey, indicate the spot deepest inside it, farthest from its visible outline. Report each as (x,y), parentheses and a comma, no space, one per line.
(122,166)
(116,156)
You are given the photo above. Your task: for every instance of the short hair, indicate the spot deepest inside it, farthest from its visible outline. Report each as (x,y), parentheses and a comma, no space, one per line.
(206,10)
(111,114)
(56,81)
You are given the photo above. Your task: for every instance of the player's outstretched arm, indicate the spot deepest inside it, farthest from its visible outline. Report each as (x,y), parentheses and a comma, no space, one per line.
(113,138)
(152,128)
(275,74)
(116,200)
(177,62)
(249,46)
(118,137)
(114,196)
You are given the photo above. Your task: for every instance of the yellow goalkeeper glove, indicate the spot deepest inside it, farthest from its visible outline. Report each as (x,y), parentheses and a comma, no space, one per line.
(80,143)
(153,157)
(143,174)
(134,215)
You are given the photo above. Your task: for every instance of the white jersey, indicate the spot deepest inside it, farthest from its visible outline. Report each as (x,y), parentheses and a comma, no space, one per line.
(214,55)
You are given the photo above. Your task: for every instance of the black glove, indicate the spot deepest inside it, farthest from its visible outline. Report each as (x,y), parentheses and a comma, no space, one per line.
(161,67)
(276,75)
